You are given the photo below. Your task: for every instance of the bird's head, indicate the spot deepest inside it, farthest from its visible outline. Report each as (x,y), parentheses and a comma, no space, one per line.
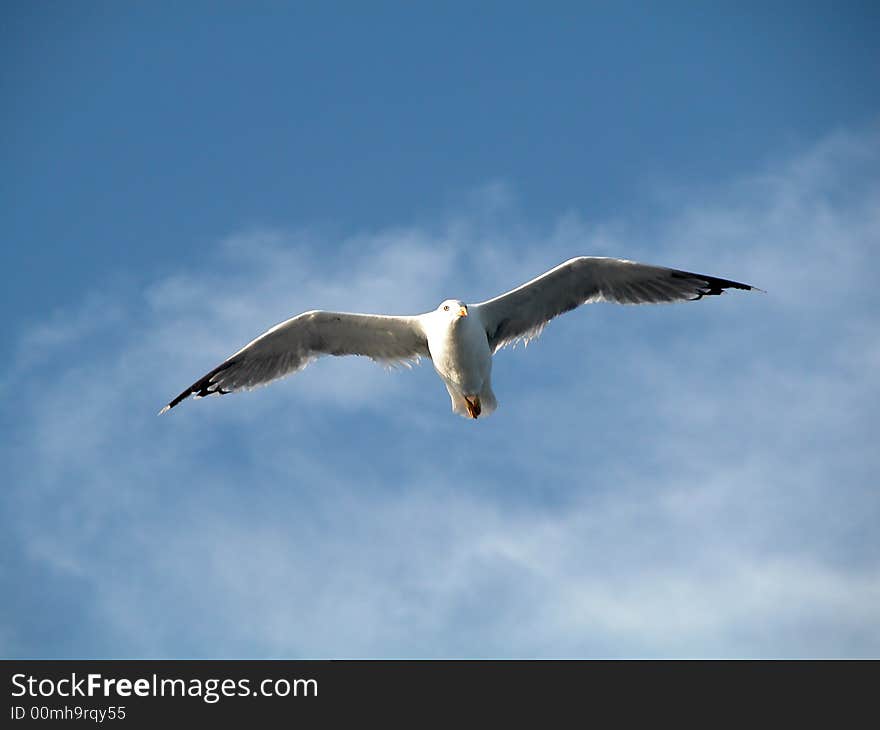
(453,310)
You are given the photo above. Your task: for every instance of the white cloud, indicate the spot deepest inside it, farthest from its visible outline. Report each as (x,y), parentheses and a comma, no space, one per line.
(689,480)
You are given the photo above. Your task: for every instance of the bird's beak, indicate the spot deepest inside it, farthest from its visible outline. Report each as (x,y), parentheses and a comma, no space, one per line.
(462,312)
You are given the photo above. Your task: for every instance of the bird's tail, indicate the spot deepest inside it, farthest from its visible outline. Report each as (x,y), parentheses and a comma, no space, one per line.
(477,406)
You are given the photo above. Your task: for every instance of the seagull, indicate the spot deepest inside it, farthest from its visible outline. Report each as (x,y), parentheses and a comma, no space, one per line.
(459,338)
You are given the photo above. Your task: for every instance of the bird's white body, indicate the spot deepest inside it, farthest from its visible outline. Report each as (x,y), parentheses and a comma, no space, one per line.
(460,339)
(461,355)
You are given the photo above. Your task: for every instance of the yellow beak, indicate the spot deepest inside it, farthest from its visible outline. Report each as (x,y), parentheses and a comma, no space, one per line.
(462,312)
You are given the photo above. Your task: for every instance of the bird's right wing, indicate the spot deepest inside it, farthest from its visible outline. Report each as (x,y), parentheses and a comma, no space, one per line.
(293,344)
(523,312)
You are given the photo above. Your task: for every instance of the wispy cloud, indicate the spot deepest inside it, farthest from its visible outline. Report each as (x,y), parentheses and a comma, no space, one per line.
(686,480)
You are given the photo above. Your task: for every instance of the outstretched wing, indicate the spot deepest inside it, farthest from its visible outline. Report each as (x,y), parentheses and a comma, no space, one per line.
(293,344)
(523,312)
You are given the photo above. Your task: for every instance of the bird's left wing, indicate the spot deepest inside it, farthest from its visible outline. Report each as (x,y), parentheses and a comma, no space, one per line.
(523,312)
(293,344)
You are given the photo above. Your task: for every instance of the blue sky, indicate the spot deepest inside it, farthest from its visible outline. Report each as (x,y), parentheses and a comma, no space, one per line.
(689,480)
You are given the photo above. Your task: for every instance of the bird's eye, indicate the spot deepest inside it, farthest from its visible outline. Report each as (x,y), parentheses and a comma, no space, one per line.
(446,308)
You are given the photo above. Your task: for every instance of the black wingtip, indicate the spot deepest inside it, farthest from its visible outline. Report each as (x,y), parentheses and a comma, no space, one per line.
(183,396)
(202,387)
(714,285)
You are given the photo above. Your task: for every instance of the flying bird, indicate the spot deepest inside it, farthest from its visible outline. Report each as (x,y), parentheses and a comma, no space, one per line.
(459,338)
